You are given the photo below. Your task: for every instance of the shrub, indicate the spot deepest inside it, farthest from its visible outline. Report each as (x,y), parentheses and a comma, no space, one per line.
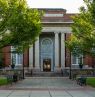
(3,81)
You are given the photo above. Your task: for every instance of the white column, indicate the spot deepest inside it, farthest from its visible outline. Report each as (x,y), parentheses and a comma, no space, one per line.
(62,50)
(37,54)
(56,50)
(31,57)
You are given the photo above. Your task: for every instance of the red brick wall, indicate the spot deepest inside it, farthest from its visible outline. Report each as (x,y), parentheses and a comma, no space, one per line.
(26,58)
(67,52)
(88,60)
(68,17)
(6,55)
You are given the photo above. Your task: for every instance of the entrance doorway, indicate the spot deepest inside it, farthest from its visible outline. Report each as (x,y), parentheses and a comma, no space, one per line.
(46,65)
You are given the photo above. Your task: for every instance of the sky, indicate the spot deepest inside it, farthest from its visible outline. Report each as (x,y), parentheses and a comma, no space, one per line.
(71,6)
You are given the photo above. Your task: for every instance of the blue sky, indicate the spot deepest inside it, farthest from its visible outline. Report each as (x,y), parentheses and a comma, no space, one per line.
(70,5)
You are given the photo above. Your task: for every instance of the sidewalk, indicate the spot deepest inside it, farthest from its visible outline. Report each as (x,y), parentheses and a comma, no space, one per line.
(46,83)
(47,93)
(47,87)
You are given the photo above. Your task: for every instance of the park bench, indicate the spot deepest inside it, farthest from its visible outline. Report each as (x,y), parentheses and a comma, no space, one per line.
(81,80)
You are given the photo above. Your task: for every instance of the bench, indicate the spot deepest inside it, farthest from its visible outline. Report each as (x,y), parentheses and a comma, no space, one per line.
(81,80)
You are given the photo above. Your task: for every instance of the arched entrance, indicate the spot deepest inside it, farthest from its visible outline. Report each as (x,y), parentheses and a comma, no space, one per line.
(46,54)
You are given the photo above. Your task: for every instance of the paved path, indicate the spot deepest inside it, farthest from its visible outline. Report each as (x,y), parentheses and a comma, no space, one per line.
(46,93)
(47,87)
(46,83)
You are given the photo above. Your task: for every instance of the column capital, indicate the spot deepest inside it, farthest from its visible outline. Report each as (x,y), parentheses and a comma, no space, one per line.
(56,32)
(63,32)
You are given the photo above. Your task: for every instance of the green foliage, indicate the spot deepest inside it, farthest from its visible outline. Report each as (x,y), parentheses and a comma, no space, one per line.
(3,81)
(83,30)
(91,81)
(19,25)
(75,46)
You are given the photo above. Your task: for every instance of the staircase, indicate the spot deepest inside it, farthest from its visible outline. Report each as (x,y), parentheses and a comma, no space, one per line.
(37,73)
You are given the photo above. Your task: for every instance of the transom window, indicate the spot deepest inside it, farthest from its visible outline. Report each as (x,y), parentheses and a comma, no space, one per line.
(46,42)
(46,46)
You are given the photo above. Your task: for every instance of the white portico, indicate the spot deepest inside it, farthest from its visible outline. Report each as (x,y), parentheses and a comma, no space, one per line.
(49,53)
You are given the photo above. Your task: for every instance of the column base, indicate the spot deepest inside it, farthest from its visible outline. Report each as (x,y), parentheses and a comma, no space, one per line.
(56,69)
(36,69)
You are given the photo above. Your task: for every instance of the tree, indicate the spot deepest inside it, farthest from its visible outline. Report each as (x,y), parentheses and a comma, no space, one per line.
(83,29)
(19,25)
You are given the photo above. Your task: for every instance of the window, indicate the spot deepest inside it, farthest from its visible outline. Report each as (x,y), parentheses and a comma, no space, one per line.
(16,58)
(76,60)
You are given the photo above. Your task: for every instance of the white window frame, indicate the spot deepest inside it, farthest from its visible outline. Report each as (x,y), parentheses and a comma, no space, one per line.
(77,60)
(17,63)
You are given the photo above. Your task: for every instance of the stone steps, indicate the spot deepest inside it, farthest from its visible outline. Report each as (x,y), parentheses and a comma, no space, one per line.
(38,73)
(46,74)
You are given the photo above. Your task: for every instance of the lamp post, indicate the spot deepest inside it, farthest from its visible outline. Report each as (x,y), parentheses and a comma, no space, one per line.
(23,66)
(70,73)
(70,69)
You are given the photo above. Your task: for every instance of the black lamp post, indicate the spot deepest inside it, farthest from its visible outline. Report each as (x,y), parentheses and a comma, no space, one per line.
(70,69)
(70,72)
(23,66)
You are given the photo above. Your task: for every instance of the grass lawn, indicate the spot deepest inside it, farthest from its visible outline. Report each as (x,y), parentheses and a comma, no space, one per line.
(3,81)
(91,81)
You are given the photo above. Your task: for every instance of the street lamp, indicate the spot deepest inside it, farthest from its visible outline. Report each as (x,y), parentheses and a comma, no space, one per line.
(23,66)
(70,69)
(70,73)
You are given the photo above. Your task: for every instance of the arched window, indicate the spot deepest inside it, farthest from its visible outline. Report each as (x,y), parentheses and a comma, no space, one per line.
(46,45)
(46,42)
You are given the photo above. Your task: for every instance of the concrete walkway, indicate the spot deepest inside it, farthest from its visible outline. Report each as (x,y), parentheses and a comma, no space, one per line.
(47,87)
(46,83)
(46,93)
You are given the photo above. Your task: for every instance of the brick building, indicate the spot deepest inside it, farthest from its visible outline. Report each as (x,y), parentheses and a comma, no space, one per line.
(49,53)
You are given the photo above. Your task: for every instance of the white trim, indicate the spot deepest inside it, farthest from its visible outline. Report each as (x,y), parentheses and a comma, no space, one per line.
(57,29)
(37,54)
(56,50)
(77,60)
(31,57)
(72,60)
(58,22)
(53,15)
(62,50)
(16,57)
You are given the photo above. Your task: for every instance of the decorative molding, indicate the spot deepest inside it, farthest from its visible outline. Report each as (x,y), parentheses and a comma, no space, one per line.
(57,29)
(53,15)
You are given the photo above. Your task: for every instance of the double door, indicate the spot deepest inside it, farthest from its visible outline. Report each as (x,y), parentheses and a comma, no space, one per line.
(47,65)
